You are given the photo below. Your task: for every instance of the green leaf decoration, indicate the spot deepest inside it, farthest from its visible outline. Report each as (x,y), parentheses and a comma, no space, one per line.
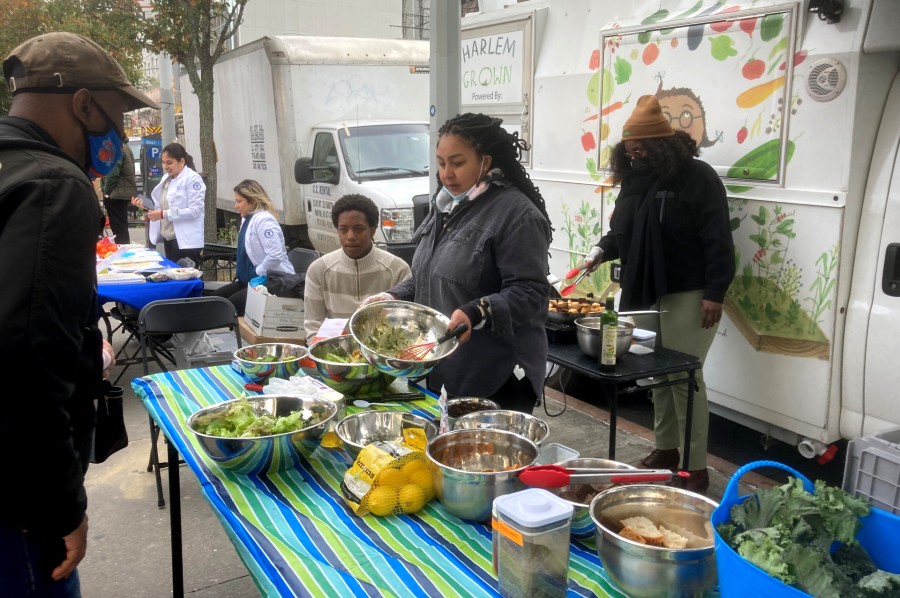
(623,70)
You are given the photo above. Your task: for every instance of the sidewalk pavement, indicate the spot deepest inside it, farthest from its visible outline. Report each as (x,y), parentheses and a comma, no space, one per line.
(128,544)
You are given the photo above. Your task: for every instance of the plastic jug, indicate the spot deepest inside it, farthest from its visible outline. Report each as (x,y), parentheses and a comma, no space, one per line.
(531,543)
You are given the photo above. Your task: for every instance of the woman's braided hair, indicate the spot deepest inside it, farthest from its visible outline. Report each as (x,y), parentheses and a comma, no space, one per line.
(488,138)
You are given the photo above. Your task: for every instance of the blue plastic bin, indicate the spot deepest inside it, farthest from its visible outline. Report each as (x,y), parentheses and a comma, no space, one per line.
(879,535)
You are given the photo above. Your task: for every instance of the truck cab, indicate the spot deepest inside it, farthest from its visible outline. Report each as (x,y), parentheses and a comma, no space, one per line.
(386,161)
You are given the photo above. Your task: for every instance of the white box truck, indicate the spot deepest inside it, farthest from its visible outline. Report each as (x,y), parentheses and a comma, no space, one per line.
(797,106)
(356,108)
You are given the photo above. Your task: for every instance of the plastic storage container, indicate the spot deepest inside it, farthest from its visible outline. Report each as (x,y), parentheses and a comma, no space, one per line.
(531,543)
(555,453)
(646,338)
(872,470)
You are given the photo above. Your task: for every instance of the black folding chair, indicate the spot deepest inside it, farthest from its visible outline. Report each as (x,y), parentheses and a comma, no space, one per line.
(301,258)
(172,316)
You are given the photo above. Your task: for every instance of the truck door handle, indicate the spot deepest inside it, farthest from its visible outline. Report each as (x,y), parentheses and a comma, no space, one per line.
(890,280)
(308,206)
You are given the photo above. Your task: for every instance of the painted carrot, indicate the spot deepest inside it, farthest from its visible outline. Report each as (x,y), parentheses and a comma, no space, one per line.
(614,106)
(756,95)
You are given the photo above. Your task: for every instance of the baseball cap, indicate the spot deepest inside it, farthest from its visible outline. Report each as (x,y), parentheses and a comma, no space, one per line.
(63,62)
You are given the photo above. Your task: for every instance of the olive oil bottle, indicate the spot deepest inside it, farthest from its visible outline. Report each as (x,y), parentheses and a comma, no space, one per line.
(609,326)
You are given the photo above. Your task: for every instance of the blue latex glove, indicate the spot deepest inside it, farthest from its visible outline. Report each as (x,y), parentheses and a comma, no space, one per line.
(258,281)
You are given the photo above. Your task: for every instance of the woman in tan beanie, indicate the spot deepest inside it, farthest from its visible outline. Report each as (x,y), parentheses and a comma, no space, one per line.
(670,230)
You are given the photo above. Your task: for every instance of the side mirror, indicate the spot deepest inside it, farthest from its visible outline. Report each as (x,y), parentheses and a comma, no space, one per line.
(306,174)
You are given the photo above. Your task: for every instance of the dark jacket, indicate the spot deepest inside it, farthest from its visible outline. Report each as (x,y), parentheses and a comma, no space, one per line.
(49,340)
(120,183)
(493,247)
(694,228)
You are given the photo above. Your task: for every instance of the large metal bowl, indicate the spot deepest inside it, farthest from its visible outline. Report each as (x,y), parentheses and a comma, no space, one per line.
(644,571)
(366,427)
(533,428)
(590,335)
(421,325)
(265,453)
(347,378)
(582,523)
(284,360)
(473,467)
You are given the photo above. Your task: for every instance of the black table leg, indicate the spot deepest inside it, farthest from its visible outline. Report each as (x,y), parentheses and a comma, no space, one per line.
(613,412)
(687,420)
(175,522)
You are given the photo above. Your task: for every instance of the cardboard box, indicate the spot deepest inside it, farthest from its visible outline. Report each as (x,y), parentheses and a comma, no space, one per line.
(251,338)
(277,317)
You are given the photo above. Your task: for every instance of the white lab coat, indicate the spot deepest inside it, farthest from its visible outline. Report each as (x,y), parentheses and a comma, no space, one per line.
(264,242)
(186,196)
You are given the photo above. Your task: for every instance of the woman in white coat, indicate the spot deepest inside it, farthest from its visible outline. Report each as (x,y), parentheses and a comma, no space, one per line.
(176,217)
(260,247)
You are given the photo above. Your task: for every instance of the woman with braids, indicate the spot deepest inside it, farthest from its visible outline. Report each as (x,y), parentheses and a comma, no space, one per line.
(670,230)
(481,258)
(260,242)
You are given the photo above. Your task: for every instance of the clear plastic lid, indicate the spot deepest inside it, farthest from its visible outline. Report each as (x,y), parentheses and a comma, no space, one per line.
(533,508)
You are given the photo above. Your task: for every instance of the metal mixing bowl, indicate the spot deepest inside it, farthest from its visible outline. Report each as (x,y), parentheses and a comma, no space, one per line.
(644,571)
(265,453)
(533,428)
(286,360)
(347,378)
(590,335)
(360,429)
(473,467)
(421,325)
(582,524)
(472,404)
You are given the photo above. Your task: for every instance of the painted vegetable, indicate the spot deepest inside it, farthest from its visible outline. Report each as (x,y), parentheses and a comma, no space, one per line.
(742,134)
(770,28)
(659,15)
(758,94)
(761,163)
(651,53)
(747,26)
(614,106)
(587,141)
(683,15)
(594,62)
(721,47)
(722,26)
(623,70)
(695,32)
(754,69)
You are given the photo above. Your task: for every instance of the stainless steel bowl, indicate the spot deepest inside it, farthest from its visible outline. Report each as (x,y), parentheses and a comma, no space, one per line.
(533,428)
(420,324)
(366,427)
(265,453)
(473,467)
(346,378)
(582,523)
(284,360)
(644,571)
(590,335)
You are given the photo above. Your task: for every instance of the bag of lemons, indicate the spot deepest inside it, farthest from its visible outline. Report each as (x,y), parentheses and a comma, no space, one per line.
(388,479)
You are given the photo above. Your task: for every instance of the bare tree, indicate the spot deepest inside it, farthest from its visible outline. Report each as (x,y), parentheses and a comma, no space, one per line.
(195,33)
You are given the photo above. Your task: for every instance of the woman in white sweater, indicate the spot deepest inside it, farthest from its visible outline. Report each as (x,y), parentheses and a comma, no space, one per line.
(260,247)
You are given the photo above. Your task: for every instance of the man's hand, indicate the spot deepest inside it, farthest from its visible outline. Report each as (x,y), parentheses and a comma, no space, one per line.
(459,317)
(109,358)
(76,547)
(377,297)
(711,313)
(593,259)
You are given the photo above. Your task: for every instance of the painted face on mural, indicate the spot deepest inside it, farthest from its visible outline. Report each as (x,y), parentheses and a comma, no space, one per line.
(685,114)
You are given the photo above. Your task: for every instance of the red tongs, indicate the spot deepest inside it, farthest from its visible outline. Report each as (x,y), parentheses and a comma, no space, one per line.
(556,476)
(567,290)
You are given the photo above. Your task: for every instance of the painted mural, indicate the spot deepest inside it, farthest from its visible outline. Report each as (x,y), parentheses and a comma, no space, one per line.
(725,84)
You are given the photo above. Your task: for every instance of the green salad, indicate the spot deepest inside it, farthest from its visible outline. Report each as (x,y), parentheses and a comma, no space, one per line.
(270,358)
(340,355)
(241,420)
(390,340)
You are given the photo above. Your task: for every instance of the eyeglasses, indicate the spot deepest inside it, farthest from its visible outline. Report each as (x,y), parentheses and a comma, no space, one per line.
(635,153)
(684,120)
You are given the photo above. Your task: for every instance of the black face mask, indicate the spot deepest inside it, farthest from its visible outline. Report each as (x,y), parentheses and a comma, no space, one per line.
(641,166)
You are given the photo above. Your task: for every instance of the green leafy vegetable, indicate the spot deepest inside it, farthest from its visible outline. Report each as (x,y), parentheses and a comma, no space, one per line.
(789,533)
(241,420)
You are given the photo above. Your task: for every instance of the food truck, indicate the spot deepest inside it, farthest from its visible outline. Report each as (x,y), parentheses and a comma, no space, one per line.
(796,105)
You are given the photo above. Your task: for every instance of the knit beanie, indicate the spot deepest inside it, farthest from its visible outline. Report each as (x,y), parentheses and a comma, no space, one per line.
(647,121)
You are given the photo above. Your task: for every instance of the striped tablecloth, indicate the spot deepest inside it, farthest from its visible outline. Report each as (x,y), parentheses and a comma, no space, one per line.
(298,538)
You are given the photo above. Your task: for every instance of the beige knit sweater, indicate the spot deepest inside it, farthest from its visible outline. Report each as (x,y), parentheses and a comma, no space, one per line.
(336,284)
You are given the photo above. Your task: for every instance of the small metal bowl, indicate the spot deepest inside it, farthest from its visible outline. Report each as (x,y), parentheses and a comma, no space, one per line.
(264,453)
(533,428)
(366,427)
(347,378)
(645,571)
(590,335)
(582,524)
(286,362)
(422,325)
(467,404)
(473,467)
